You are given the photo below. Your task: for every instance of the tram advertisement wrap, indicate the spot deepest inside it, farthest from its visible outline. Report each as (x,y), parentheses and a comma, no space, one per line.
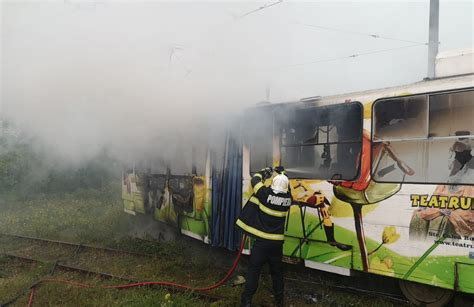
(177,200)
(417,232)
(397,223)
(425,238)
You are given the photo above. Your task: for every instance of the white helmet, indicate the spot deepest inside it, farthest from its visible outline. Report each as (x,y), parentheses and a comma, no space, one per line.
(280,184)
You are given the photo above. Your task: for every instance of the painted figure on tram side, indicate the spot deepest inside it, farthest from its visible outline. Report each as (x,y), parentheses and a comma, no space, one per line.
(445,216)
(318,201)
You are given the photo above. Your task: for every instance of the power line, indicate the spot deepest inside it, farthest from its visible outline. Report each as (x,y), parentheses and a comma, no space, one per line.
(260,8)
(352,56)
(372,35)
(355,55)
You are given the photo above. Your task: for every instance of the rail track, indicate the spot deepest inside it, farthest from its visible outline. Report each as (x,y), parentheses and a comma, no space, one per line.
(78,246)
(59,264)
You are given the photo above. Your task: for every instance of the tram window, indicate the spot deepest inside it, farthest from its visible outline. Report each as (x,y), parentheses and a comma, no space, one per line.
(143,166)
(158,167)
(451,112)
(200,159)
(258,137)
(181,160)
(321,142)
(448,162)
(411,153)
(444,156)
(259,155)
(401,118)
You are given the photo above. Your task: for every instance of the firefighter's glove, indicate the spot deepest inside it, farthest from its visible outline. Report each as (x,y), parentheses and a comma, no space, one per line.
(280,169)
(315,200)
(266,173)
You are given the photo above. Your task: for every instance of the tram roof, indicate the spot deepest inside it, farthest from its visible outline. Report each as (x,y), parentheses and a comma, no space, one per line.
(367,96)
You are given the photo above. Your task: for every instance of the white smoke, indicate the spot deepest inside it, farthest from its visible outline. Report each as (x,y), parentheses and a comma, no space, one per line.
(137,76)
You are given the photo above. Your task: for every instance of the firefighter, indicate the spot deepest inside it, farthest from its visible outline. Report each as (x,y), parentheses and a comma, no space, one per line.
(263,218)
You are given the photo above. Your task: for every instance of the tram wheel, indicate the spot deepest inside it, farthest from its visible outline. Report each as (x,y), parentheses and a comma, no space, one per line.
(425,295)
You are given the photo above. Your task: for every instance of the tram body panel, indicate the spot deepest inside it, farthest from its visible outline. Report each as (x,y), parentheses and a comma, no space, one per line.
(400,222)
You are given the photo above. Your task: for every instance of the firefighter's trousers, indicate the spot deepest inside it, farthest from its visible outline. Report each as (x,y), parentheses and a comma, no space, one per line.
(263,252)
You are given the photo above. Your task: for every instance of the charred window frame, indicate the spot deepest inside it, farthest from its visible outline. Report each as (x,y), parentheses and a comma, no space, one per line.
(188,160)
(258,137)
(177,160)
(321,142)
(425,138)
(199,159)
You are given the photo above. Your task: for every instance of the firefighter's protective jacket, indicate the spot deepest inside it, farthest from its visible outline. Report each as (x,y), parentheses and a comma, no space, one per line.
(264,214)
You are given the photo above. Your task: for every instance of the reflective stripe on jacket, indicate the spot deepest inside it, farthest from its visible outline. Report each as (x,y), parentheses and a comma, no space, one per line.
(264,214)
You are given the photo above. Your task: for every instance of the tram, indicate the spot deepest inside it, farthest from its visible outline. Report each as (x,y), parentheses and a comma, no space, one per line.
(394,166)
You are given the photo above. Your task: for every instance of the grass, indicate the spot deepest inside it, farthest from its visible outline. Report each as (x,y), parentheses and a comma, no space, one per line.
(50,294)
(87,215)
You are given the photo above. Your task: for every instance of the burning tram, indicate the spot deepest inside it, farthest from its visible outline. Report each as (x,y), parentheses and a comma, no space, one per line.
(394,167)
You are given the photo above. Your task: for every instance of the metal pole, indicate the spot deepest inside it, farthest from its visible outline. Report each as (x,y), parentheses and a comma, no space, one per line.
(433,37)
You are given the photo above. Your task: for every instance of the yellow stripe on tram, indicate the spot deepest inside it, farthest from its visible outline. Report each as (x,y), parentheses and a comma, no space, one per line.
(261,234)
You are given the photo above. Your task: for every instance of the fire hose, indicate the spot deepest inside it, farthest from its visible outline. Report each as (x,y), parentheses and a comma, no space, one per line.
(145,283)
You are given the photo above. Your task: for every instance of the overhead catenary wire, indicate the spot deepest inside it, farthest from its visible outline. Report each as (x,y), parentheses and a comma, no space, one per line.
(372,35)
(346,57)
(189,70)
(259,9)
(351,56)
(354,55)
(328,28)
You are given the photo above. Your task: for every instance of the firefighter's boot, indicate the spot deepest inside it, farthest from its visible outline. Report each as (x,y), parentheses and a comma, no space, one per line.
(245,303)
(329,230)
(279,301)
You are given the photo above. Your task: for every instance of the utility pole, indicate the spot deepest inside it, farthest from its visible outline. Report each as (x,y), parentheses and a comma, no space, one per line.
(433,41)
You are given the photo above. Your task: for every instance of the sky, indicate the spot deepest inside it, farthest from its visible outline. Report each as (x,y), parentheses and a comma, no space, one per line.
(138,75)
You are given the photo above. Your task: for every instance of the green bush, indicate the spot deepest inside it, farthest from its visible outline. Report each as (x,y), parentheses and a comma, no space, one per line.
(27,168)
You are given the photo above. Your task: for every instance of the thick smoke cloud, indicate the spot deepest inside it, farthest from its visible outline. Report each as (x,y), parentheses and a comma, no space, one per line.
(135,77)
(83,76)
